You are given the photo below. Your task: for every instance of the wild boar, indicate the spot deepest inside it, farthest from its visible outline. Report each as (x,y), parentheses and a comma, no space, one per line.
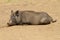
(29,17)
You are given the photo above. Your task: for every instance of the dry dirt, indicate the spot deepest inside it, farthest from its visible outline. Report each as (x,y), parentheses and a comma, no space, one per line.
(30,32)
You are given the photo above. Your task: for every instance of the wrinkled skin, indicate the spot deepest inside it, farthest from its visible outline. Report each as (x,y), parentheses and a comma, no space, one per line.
(29,17)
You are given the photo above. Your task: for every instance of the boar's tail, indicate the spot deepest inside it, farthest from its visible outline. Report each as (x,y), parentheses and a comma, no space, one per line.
(53,21)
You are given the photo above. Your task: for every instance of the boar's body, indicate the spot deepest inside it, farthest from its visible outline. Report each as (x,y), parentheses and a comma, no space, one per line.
(31,17)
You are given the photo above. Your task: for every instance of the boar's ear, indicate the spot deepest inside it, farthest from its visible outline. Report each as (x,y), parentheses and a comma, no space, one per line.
(17,11)
(11,11)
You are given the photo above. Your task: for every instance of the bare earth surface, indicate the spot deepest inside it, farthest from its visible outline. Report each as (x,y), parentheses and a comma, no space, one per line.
(30,32)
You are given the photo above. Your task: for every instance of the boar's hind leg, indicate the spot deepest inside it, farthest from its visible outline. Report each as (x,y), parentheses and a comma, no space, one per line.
(44,21)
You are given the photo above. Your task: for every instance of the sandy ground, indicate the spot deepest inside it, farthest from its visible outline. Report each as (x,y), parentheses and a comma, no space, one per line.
(30,32)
